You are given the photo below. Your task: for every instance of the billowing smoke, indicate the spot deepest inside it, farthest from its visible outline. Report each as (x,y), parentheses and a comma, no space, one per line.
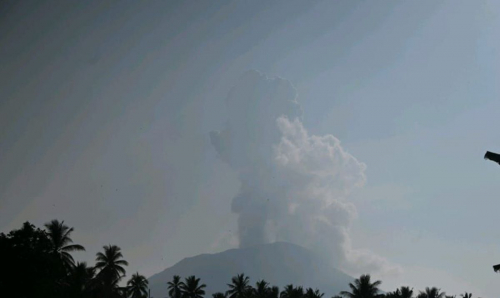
(294,186)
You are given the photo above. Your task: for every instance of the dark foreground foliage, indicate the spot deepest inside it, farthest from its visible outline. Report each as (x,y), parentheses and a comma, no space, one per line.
(37,263)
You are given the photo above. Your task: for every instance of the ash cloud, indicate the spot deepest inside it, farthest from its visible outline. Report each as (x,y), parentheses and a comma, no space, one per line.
(295,186)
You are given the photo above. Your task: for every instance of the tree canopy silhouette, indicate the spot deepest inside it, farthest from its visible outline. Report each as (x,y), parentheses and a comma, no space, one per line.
(239,286)
(403,292)
(292,292)
(39,264)
(111,266)
(431,293)
(29,267)
(264,290)
(219,295)
(79,281)
(192,288)
(175,287)
(310,293)
(59,235)
(137,286)
(363,288)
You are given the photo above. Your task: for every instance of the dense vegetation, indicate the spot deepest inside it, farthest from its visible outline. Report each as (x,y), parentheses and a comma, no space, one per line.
(38,263)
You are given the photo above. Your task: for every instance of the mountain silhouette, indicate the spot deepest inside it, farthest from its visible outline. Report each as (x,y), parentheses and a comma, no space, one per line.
(279,263)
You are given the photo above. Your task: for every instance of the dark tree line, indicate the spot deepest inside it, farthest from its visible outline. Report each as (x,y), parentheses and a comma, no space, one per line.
(240,287)
(38,263)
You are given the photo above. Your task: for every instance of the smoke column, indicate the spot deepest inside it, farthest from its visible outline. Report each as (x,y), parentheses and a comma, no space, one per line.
(294,186)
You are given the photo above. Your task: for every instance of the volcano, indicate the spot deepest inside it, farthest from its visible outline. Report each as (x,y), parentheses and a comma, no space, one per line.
(279,263)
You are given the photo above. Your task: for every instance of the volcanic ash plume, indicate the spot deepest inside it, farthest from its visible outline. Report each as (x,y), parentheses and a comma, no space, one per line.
(294,186)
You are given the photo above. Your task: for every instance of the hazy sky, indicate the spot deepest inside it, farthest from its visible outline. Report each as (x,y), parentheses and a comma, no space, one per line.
(106,109)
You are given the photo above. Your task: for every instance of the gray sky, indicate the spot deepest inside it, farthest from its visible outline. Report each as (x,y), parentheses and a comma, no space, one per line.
(106,109)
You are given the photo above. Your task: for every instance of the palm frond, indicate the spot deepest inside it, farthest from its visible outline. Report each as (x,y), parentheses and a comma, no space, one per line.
(73,247)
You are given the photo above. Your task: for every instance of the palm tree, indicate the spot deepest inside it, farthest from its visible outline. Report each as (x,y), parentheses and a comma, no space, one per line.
(239,286)
(403,292)
(111,266)
(363,288)
(192,288)
(137,286)
(291,292)
(175,287)
(310,293)
(79,280)
(219,295)
(274,292)
(111,261)
(467,295)
(431,293)
(59,235)
(261,289)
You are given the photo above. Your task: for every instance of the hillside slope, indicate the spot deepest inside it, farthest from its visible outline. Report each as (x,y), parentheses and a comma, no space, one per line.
(278,263)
